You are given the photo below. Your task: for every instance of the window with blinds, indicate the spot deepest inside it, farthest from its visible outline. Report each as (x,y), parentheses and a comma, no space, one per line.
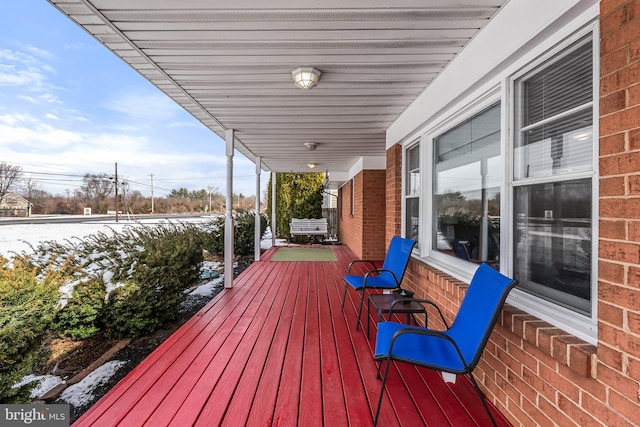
(553,178)
(555,106)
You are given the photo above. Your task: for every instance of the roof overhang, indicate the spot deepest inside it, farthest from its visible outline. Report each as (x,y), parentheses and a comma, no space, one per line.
(229,64)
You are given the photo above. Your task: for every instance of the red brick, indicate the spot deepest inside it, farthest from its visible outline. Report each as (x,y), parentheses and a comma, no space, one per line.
(556,417)
(615,40)
(610,356)
(580,358)
(633,368)
(610,313)
(613,102)
(612,144)
(596,409)
(634,139)
(634,185)
(575,412)
(609,6)
(634,231)
(615,21)
(621,296)
(634,51)
(618,381)
(633,97)
(613,229)
(633,319)
(633,275)
(620,121)
(620,208)
(612,186)
(615,60)
(621,163)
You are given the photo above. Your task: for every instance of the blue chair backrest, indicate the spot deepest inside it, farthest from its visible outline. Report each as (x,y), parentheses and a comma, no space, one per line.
(398,256)
(479,312)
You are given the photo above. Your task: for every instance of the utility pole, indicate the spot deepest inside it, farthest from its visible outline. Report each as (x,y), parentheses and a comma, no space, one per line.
(210,205)
(116,191)
(151,175)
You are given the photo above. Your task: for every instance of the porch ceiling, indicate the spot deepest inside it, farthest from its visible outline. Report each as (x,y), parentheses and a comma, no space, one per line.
(229,64)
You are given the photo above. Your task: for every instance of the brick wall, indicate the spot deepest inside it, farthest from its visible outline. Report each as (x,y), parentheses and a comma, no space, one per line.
(535,373)
(394,192)
(618,367)
(350,229)
(364,230)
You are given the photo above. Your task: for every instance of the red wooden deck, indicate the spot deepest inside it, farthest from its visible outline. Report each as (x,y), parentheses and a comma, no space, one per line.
(277,350)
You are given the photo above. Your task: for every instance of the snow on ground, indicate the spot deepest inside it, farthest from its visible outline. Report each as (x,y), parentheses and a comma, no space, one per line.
(47,382)
(81,394)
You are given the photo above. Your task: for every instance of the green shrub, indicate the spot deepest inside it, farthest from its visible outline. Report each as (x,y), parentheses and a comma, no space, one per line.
(27,307)
(243,233)
(154,290)
(80,317)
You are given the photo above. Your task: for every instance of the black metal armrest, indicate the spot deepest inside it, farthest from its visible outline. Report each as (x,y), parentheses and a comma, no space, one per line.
(421,301)
(373,264)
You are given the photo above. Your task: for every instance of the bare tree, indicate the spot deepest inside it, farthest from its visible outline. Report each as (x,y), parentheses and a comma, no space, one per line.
(8,176)
(95,190)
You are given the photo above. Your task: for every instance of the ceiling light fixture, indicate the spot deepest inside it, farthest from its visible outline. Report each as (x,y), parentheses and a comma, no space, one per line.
(311,165)
(306,77)
(311,146)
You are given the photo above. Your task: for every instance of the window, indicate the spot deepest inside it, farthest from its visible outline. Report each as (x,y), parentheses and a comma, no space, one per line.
(412,193)
(467,175)
(553,178)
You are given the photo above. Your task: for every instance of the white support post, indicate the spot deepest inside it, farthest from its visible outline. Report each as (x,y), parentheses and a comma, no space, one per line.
(228,222)
(256,256)
(273,208)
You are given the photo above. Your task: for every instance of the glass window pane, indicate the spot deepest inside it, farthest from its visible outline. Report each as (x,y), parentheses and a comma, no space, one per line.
(466,187)
(412,218)
(412,193)
(553,241)
(413,171)
(561,147)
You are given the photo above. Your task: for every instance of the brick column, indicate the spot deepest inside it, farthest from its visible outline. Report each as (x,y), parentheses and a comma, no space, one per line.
(619,208)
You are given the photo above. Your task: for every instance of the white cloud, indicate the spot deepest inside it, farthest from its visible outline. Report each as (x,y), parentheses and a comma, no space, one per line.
(52,116)
(145,107)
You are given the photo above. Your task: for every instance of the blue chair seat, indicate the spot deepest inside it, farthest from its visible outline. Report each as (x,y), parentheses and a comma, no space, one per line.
(389,276)
(430,351)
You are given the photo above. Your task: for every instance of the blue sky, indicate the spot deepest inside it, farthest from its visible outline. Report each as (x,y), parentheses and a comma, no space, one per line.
(68,106)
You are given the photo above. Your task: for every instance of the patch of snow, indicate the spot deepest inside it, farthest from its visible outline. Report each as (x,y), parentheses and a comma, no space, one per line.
(47,382)
(81,394)
(206,289)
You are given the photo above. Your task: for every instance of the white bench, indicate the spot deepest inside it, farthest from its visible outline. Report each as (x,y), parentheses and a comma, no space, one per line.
(308,227)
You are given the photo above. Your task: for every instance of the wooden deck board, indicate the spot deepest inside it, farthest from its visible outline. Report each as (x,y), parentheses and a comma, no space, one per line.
(277,350)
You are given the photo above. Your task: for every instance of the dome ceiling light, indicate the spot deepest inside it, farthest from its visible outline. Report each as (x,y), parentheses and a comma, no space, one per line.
(306,77)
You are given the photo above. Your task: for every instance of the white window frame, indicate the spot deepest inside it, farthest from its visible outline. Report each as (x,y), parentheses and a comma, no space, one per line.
(580,325)
(500,90)
(415,142)
(457,267)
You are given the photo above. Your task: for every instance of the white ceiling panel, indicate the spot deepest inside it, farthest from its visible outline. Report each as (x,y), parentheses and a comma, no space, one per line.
(229,64)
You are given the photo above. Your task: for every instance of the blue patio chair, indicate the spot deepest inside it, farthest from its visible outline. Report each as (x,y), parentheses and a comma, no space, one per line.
(458,348)
(389,276)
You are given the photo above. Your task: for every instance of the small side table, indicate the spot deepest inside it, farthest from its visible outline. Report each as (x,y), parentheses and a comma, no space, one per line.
(382,303)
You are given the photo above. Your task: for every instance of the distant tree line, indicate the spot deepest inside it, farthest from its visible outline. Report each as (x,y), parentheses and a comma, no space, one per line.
(98,192)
